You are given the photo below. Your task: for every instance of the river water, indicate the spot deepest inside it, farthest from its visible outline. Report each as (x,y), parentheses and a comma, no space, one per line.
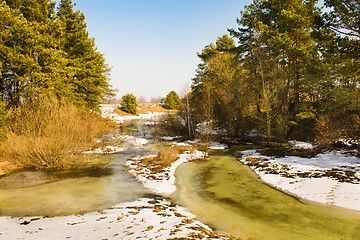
(222,192)
(41,193)
(229,196)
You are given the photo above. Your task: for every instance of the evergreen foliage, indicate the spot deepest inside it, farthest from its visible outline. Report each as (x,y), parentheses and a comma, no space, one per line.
(172,100)
(129,103)
(43,51)
(294,70)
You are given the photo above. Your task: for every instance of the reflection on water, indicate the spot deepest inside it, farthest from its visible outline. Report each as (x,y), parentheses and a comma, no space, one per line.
(52,194)
(39,193)
(228,196)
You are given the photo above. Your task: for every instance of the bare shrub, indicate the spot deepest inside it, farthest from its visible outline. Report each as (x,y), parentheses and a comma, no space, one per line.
(170,124)
(335,128)
(48,133)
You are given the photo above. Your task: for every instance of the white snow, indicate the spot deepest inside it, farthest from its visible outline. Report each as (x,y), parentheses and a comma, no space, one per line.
(217,146)
(323,189)
(139,142)
(107,111)
(301,145)
(107,149)
(142,219)
(165,181)
(170,138)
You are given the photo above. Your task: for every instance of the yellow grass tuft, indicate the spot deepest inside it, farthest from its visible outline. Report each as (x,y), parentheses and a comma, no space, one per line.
(46,133)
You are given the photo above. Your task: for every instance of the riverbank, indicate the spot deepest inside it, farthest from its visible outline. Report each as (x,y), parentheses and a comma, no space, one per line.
(331,177)
(155,215)
(146,111)
(146,218)
(150,217)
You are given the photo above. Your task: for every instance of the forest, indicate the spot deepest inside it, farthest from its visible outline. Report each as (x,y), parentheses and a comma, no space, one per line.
(264,144)
(52,79)
(48,50)
(290,71)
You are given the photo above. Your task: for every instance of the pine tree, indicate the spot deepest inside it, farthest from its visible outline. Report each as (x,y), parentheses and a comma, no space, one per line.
(87,71)
(16,52)
(221,74)
(31,62)
(172,100)
(129,103)
(277,46)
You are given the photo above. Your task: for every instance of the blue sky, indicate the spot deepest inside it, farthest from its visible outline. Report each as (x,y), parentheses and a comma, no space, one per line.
(152,45)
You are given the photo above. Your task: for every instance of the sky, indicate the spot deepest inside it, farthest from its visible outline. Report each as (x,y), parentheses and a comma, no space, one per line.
(151,46)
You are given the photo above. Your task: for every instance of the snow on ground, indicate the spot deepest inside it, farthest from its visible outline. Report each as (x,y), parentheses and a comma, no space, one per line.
(170,138)
(107,111)
(331,177)
(217,146)
(107,149)
(154,217)
(163,182)
(212,145)
(139,142)
(112,147)
(146,218)
(301,145)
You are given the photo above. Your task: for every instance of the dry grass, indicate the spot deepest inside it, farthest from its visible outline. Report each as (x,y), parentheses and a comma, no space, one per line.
(166,156)
(120,112)
(150,107)
(6,168)
(47,133)
(143,108)
(169,154)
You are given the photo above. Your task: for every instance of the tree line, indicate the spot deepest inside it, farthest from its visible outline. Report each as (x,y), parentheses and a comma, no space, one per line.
(52,78)
(47,50)
(290,70)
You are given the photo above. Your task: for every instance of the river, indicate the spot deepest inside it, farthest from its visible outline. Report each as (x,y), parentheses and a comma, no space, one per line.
(229,196)
(221,192)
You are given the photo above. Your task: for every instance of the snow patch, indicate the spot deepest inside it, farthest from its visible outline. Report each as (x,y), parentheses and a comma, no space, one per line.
(107,111)
(320,189)
(162,183)
(301,145)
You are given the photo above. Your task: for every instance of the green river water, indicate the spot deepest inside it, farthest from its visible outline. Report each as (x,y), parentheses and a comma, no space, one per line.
(230,197)
(222,192)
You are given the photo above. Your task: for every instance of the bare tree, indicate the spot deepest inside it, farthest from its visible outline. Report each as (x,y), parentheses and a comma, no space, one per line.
(113,101)
(185,95)
(207,129)
(141,99)
(156,100)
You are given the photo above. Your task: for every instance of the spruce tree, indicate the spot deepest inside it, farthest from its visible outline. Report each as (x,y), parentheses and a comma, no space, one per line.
(129,103)
(87,71)
(30,60)
(172,100)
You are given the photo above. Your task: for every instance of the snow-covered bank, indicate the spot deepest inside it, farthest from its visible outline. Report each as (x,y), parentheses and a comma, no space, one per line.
(151,217)
(331,177)
(108,112)
(145,218)
(114,146)
(163,182)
